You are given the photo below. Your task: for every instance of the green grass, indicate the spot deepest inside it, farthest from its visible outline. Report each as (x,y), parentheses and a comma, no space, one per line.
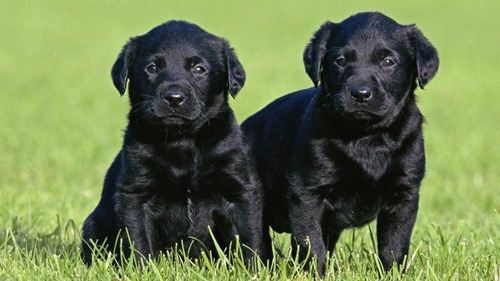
(61,124)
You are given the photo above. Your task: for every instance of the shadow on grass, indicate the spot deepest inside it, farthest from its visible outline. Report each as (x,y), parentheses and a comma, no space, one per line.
(63,241)
(354,257)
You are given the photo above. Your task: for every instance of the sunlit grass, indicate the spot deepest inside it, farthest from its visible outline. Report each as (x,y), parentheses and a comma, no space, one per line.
(61,124)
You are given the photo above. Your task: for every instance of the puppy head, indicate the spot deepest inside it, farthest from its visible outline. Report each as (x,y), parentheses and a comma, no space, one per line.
(368,64)
(178,74)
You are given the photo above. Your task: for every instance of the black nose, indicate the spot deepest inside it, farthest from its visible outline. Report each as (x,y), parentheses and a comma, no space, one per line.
(174,99)
(361,93)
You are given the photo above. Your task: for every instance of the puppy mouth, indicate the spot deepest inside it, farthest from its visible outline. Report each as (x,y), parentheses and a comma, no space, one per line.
(177,115)
(177,118)
(361,114)
(346,108)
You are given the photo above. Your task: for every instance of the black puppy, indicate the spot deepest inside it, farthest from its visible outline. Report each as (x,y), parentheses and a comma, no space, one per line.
(350,150)
(183,167)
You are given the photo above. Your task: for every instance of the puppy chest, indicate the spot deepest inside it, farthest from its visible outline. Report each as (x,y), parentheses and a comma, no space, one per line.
(178,165)
(344,209)
(180,219)
(170,218)
(370,157)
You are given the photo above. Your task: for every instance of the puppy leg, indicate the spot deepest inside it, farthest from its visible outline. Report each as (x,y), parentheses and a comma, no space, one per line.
(394,228)
(305,215)
(90,235)
(267,244)
(248,221)
(99,232)
(138,227)
(330,237)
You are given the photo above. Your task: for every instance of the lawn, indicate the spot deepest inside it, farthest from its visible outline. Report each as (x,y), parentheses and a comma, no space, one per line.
(61,124)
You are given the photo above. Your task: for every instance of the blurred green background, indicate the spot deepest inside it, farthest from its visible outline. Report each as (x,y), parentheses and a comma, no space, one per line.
(61,119)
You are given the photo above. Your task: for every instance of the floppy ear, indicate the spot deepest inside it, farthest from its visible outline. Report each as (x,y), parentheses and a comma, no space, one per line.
(315,51)
(236,73)
(119,71)
(426,56)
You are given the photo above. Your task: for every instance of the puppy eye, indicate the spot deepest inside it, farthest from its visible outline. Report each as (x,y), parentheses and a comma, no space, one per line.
(199,70)
(341,61)
(151,68)
(388,62)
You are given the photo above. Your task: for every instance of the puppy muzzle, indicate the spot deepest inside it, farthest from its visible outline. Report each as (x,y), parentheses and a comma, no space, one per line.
(174,99)
(361,94)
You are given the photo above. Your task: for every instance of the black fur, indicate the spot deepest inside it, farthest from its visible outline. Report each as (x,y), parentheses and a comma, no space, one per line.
(351,150)
(183,167)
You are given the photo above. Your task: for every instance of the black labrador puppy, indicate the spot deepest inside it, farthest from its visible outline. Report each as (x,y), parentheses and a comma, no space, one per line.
(350,150)
(183,167)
